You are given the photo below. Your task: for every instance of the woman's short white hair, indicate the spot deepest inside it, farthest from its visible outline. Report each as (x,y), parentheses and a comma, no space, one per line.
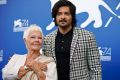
(32,27)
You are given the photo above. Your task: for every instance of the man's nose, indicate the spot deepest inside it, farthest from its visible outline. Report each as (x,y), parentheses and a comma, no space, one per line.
(63,16)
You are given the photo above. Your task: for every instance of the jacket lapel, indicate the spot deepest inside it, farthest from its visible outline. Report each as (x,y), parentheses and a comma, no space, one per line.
(73,43)
(53,44)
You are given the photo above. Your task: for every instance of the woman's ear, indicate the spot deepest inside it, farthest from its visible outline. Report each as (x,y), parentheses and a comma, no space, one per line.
(24,40)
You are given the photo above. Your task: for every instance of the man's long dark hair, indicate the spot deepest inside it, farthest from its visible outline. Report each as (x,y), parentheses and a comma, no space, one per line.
(62,3)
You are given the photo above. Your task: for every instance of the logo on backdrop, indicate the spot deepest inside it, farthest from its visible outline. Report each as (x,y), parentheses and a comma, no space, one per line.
(105,53)
(92,8)
(1,55)
(20,25)
(3,2)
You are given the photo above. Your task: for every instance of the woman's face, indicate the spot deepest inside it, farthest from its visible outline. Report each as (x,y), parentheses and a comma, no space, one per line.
(34,40)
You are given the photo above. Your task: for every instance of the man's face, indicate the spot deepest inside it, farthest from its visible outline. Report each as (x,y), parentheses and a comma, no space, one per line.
(64,17)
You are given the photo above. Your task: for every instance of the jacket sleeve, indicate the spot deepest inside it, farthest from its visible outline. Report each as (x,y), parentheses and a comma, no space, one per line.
(93,58)
(11,69)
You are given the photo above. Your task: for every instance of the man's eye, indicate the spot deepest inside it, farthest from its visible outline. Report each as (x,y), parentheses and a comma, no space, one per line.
(67,13)
(58,14)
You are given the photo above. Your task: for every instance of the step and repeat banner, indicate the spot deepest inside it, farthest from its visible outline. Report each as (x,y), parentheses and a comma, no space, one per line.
(102,17)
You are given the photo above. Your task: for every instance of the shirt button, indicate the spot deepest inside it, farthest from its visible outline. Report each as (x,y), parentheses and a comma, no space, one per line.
(62,41)
(61,47)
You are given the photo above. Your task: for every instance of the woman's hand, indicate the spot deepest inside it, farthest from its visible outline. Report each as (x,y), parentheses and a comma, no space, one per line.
(22,71)
(36,66)
(41,75)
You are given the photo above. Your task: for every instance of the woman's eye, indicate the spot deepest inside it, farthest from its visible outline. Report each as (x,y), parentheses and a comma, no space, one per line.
(32,37)
(39,37)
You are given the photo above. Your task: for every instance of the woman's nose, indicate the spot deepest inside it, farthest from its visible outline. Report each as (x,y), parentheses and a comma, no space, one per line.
(36,39)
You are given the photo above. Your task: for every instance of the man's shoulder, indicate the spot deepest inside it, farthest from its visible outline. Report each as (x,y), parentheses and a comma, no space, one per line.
(82,31)
(53,33)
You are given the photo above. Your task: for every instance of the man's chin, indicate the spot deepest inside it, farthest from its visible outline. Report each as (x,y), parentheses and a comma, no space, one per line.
(63,25)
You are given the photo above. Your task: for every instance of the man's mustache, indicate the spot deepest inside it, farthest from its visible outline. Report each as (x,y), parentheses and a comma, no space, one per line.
(63,20)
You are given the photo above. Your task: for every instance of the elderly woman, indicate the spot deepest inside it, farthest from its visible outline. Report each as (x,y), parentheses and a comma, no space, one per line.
(33,65)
